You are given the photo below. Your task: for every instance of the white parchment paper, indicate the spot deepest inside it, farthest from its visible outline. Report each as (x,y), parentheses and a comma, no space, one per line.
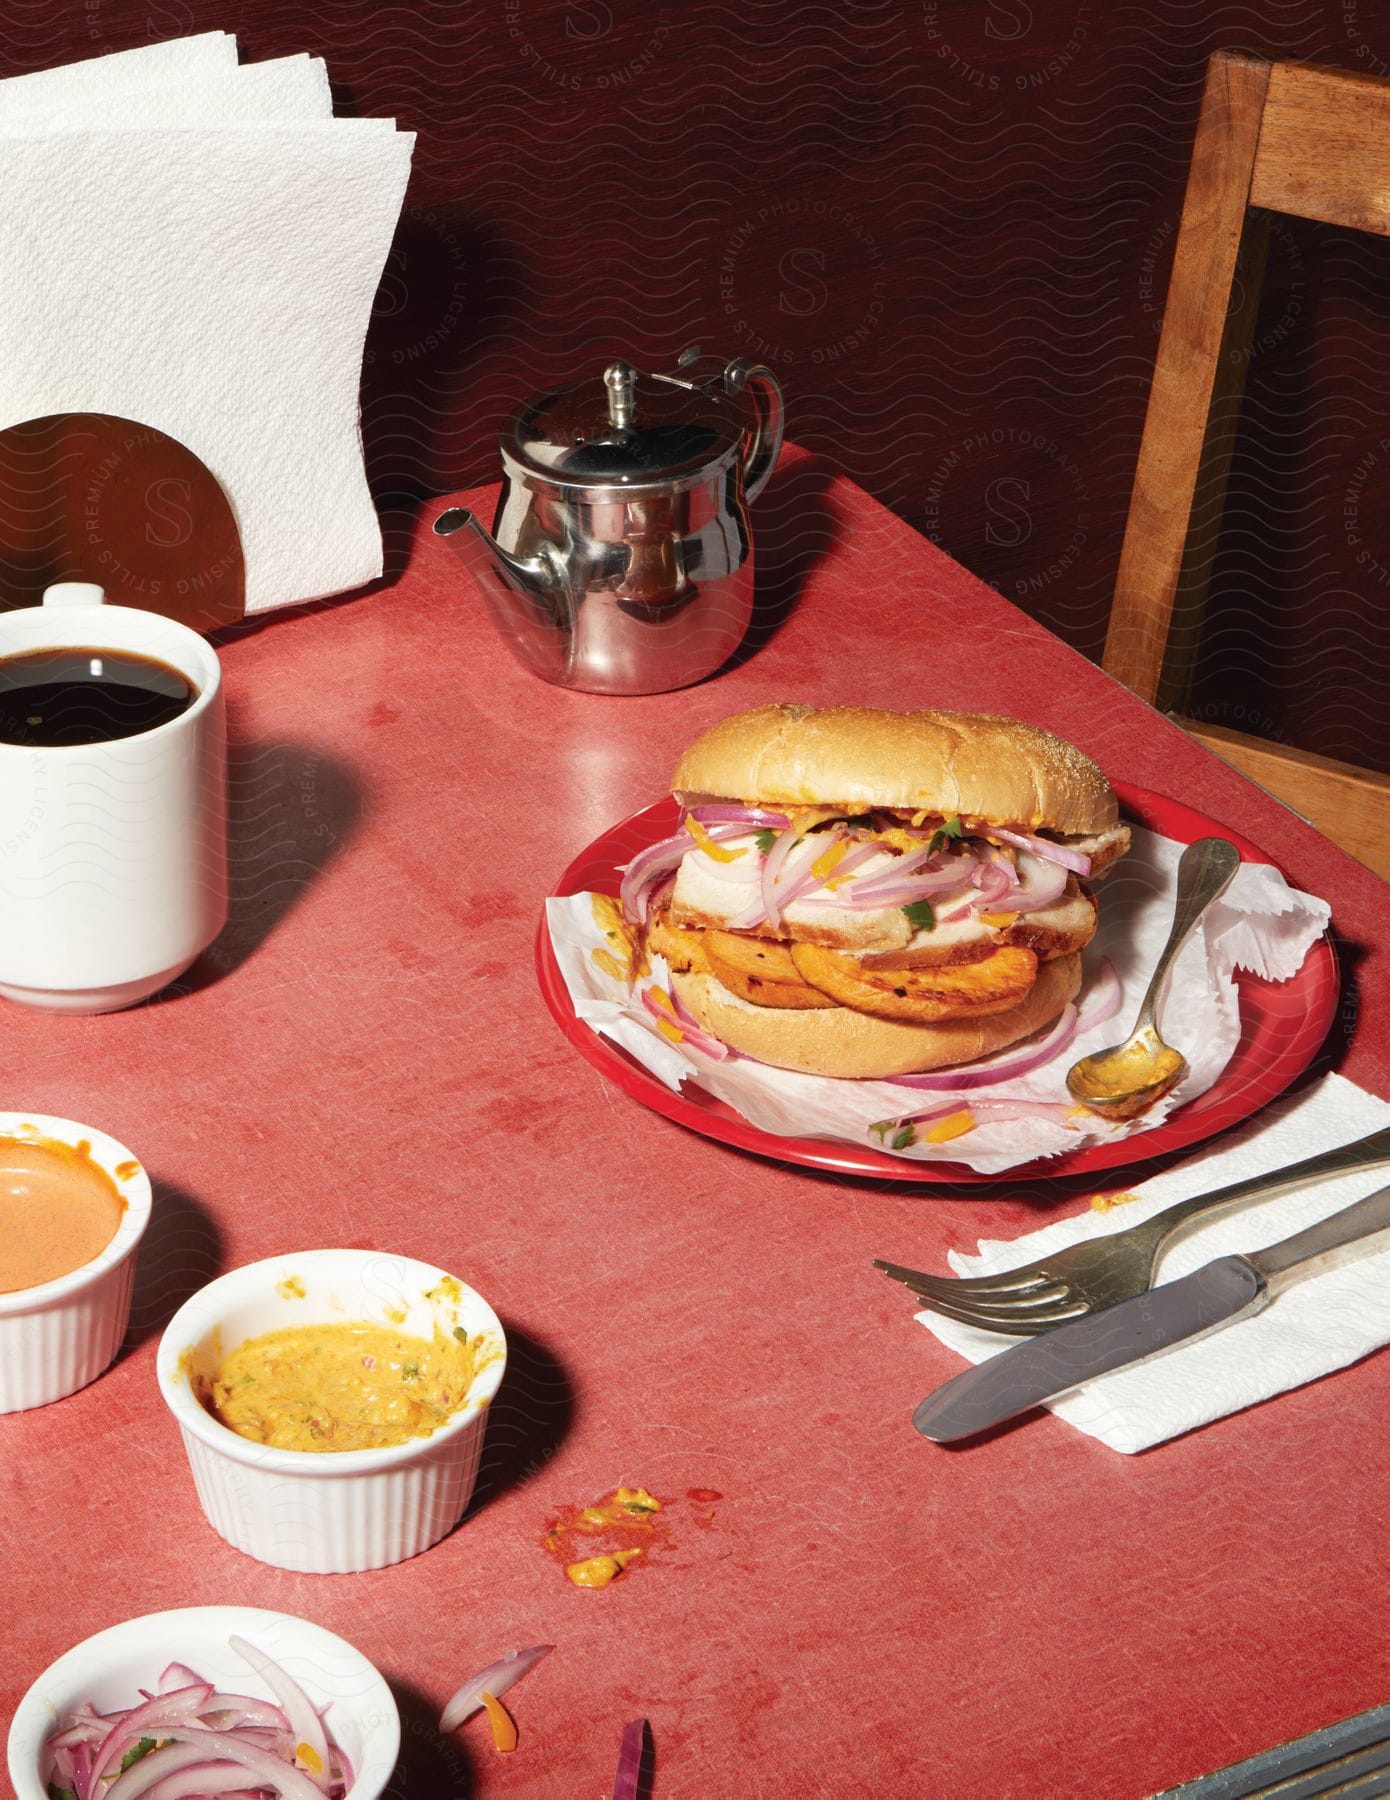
(1261,924)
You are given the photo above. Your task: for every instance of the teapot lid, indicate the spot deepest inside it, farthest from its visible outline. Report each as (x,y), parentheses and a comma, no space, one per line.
(625,429)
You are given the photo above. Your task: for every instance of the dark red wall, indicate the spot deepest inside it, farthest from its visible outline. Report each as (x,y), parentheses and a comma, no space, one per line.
(947,225)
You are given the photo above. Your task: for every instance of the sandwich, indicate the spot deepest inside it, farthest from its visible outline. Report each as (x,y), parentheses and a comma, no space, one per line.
(865,893)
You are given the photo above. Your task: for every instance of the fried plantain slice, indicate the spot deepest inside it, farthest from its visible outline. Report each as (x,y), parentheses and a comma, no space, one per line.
(684,950)
(953,991)
(760,972)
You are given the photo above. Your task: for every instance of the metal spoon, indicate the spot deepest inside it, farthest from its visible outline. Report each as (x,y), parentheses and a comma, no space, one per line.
(1131,1076)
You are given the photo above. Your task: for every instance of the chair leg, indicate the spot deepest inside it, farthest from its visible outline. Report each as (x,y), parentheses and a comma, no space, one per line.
(1187,370)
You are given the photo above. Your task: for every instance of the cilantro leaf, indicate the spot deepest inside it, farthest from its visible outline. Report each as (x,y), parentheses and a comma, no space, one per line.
(460,1334)
(56,1793)
(410,1371)
(134,1754)
(764,840)
(921,915)
(948,828)
(906,1137)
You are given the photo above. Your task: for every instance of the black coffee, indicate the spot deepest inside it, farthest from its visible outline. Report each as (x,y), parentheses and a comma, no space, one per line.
(55,697)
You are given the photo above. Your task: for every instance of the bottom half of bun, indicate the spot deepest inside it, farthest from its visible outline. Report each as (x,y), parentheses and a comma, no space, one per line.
(841,1041)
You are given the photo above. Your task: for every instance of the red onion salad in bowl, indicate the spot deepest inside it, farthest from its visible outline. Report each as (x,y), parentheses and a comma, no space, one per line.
(207,1696)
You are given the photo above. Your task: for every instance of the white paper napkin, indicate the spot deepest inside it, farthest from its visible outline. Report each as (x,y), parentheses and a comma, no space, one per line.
(98,77)
(283,90)
(1261,923)
(213,279)
(1318,1325)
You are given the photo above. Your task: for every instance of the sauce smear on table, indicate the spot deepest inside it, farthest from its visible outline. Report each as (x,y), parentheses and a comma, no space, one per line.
(58,1210)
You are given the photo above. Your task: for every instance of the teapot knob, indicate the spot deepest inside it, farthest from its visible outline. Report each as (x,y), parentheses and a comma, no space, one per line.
(620,378)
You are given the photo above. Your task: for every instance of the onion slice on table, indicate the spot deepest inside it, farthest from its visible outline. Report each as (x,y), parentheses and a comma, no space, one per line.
(496,1678)
(627,1777)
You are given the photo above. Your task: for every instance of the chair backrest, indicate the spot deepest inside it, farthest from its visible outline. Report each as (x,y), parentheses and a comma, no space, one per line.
(1272,137)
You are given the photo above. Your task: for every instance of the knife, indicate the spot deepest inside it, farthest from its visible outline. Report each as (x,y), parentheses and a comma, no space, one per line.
(1180,1312)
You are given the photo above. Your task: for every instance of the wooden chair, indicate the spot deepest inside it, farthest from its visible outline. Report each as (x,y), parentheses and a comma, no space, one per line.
(1272,137)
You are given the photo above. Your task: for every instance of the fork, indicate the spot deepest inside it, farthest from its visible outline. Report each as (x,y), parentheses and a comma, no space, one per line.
(1083,1278)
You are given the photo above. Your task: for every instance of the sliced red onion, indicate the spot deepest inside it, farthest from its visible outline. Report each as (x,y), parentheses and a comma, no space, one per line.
(1003,1067)
(199,1779)
(656,859)
(191,1745)
(1044,847)
(177,1675)
(627,1777)
(306,1727)
(659,859)
(152,1718)
(497,1678)
(798,873)
(738,815)
(240,1710)
(771,869)
(1040,884)
(691,1034)
(902,865)
(852,859)
(873,891)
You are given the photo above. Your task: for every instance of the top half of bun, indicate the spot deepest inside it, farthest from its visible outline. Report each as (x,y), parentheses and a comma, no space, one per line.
(976,764)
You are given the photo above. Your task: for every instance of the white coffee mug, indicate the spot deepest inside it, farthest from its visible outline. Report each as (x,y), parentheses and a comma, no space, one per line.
(113,856)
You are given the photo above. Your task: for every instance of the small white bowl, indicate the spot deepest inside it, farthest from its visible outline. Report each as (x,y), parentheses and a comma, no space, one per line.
(58,1336)
(109,1668)
(329,1512)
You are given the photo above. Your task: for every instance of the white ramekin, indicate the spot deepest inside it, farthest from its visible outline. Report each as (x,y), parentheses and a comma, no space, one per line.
(329,1512)
(109,1668)
(57,1337)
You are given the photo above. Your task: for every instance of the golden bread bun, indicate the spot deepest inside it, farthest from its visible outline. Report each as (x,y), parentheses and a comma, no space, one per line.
(844,1042)
(975,764)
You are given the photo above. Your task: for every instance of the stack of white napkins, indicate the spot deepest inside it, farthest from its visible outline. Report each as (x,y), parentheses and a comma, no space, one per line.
(195,245)
(1322,1323)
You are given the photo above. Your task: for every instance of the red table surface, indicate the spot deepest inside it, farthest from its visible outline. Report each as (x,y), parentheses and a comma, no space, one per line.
(364,1059)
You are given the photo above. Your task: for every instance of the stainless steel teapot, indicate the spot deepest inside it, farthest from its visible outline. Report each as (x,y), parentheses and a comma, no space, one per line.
(621,557)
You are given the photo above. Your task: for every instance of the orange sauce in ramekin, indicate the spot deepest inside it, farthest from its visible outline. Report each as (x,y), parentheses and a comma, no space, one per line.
(58,1210)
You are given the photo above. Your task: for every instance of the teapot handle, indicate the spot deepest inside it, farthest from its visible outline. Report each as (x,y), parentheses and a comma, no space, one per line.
(764,443)
(765,440)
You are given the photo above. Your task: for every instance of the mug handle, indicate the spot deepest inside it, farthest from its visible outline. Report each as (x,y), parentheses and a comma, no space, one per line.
(765,440)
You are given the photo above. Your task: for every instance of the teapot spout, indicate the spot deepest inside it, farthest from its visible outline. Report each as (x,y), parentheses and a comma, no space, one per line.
(492,567)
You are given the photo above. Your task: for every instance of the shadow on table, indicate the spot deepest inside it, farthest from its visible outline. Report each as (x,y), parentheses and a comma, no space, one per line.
(291,809)
(793,530)
(530,1418)
(430,1767)
(181,1252)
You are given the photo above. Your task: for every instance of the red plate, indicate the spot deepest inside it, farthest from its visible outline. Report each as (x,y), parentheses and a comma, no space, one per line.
(1283,1025)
